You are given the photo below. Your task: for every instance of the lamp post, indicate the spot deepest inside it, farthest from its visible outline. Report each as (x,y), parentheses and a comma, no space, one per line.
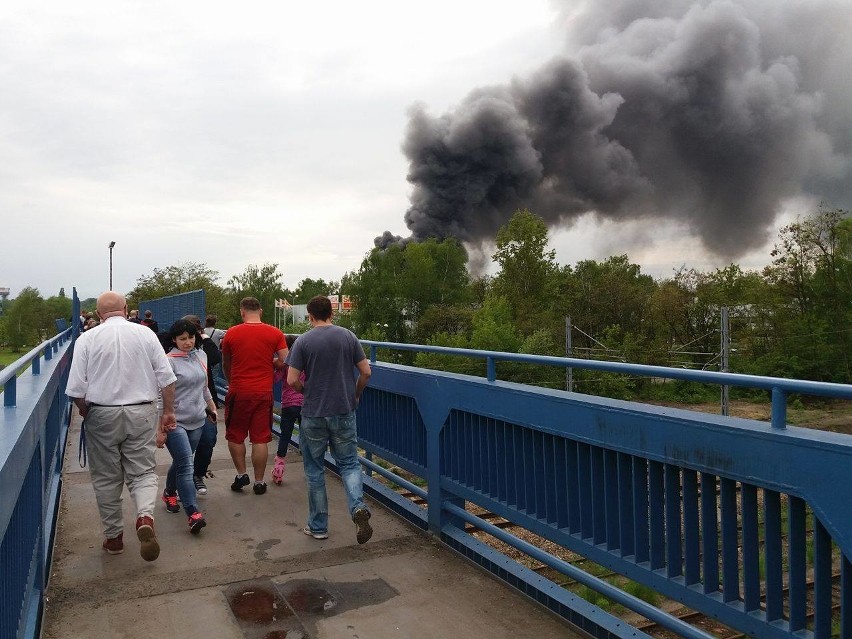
(111,245)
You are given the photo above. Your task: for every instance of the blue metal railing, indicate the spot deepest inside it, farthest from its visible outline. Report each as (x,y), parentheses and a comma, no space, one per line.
(33,430)
(731,517)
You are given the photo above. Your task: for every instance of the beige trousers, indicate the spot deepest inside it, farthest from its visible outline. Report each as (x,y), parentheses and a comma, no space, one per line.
(120,444)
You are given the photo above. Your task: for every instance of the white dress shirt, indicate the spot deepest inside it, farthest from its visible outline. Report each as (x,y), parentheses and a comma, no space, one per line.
(118,363)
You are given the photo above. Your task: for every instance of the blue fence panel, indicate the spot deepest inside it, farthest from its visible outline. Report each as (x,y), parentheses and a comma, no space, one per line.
(169,309)
(702,508)
(33,429)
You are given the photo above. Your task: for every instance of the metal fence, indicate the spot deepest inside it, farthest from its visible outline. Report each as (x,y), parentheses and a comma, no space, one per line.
(746,521)
(167,310)
(33,429)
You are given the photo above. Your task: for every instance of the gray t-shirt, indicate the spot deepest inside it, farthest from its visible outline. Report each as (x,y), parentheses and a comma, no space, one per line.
(327,355)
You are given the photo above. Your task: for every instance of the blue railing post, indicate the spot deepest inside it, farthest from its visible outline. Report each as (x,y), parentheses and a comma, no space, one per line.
(779,408)
(10,391)
(373,350)
(36,365)
(492,369)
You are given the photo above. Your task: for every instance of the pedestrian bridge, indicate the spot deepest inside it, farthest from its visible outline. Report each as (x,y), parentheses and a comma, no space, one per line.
(747,523)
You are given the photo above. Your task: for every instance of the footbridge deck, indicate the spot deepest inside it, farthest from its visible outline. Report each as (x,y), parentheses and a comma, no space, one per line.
(746,522)
(251,573)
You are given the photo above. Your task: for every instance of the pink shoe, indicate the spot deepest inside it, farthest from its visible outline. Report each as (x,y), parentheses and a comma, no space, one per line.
(278,470)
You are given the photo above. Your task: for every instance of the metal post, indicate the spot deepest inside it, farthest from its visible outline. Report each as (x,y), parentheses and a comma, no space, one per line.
(723,366)
(569,372)
(111,245)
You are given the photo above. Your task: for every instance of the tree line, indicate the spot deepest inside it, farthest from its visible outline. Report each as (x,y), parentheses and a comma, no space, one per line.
(791,319)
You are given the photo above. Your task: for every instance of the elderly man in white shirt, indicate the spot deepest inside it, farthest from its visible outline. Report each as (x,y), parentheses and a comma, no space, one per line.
(118,370)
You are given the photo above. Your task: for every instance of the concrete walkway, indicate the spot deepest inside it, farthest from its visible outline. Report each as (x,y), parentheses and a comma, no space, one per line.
(252,574)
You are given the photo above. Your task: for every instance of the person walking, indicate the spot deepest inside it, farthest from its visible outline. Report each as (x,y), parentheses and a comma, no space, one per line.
(291,410)
(327,354)
(250,352)
(216,334)
(116,373)
(209,433)
(150,322)
(194,405)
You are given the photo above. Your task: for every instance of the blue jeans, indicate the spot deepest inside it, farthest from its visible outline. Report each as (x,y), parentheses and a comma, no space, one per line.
(182,444)
(204,450)
(339,433)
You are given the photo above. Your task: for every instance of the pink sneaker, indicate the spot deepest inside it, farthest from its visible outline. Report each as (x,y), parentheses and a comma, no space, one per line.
(278,470)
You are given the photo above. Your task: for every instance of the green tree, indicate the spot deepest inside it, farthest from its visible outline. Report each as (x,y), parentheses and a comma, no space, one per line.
(540,342)
(395,286)
(527,268)
(263,282)
(812,272)
(25,320)
(183,278)
(493,329)
(57,307)
(309,288)
(449,319)
(449,363)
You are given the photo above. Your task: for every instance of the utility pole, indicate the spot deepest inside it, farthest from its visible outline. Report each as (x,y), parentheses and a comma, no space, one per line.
(723,366)
(569,372)
(111,246)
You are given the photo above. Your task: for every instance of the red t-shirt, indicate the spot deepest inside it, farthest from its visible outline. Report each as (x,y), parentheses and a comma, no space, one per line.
(251,347)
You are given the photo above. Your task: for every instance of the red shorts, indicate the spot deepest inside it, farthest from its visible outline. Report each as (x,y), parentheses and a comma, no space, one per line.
(248,415)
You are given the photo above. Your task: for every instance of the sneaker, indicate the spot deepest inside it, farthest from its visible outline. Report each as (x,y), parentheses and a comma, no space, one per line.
(315,535)
(150,549)
(362,525)
(196,522)
(278,469)
(114,546)
(259,487)
(171,502)
(200,486)
(240,482)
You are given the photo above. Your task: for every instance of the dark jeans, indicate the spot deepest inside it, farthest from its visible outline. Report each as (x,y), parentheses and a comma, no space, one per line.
(289,416)
(204,452)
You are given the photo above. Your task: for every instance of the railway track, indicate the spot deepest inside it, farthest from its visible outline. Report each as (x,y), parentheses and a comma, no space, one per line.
(692,617)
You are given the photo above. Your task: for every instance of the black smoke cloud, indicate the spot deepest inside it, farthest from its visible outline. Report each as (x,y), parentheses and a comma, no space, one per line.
(710,114)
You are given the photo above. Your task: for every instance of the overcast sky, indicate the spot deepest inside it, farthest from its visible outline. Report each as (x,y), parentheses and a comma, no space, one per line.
(240,133)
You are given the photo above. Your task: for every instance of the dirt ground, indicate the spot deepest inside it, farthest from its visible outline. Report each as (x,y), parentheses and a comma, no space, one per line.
(834,416)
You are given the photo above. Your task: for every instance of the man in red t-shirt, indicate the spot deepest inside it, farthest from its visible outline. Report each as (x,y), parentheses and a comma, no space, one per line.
(250,353)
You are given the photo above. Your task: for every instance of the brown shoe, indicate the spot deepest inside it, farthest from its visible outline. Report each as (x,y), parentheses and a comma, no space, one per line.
(115,546)
(150,549)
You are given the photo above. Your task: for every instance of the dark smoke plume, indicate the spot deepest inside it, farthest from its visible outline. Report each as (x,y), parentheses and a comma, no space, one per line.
(709,113)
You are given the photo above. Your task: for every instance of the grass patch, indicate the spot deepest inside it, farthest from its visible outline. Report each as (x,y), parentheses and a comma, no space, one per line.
(7,356)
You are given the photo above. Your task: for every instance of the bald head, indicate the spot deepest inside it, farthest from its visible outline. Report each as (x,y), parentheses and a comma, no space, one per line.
(111,304)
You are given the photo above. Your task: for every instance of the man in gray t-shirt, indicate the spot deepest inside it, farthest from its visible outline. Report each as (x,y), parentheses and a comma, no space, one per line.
(328,355)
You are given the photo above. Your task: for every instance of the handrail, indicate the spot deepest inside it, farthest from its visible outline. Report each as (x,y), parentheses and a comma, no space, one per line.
(9,375)
(779,387)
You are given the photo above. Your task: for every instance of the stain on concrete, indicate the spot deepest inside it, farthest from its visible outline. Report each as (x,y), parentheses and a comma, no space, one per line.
(263,546)
(292,609)
(257,602)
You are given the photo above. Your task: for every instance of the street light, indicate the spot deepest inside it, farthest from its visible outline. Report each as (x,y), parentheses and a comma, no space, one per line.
(111,244)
